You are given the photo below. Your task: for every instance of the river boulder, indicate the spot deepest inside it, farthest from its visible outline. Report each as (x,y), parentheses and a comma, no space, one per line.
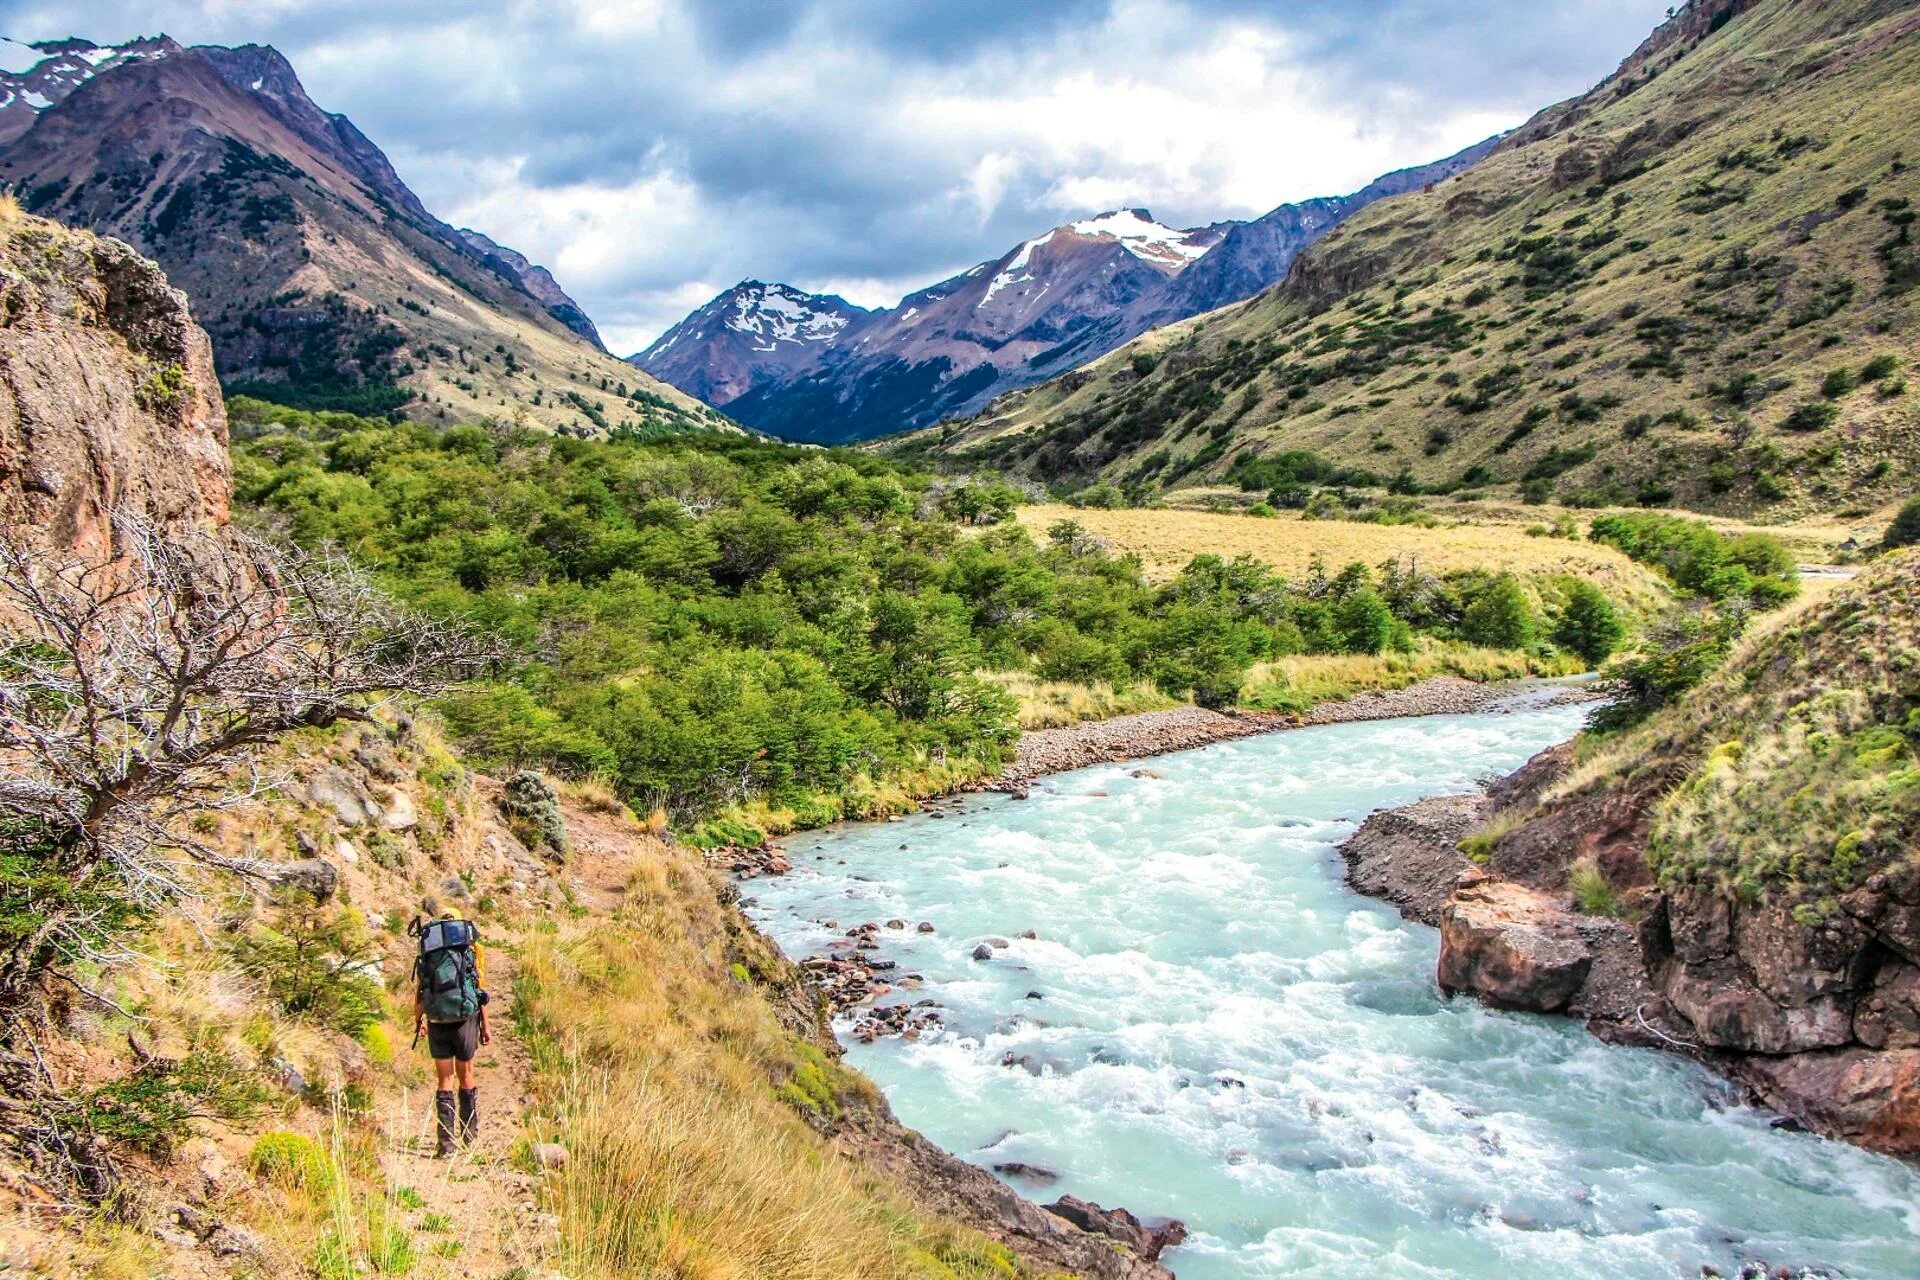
(1510,945)
(1144,1240)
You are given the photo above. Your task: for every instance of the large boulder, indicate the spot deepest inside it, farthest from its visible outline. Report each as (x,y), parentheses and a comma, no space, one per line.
(332,787)
(1510,945)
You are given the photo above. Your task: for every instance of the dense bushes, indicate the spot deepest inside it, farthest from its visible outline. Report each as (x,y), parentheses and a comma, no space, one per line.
(1702,561)
(723,621)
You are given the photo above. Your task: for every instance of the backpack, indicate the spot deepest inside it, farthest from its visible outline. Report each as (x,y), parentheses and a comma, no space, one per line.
(447,971)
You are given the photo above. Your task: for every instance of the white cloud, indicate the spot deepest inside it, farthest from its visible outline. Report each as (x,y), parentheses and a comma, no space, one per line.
(650,152)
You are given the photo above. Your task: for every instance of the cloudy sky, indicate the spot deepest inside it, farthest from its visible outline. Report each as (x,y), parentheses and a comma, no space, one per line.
(654,152)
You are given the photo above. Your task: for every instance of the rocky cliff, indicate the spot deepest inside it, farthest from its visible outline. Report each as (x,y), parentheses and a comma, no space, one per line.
(108,399)
(1738,879)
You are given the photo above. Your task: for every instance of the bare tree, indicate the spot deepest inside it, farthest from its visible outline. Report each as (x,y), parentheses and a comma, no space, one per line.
(137,692)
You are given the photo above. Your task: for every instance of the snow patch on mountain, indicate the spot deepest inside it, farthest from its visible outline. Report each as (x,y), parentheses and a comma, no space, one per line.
(780,313)
(1146,239)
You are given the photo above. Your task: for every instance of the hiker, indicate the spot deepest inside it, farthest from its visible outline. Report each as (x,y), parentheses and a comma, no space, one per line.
(450,1006)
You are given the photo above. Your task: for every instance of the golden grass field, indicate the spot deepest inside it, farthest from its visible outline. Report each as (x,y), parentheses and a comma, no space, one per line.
(1167,539)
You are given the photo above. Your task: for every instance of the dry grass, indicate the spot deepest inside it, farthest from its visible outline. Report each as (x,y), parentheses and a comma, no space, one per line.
(1166,540)
(679,1098)
(1304,681)
(1055,704)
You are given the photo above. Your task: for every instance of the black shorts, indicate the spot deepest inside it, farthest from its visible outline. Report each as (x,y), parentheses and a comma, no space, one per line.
(457,1040)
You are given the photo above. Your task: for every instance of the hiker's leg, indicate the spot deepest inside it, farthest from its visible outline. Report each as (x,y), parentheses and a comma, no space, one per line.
(444,1070)
(445,1115)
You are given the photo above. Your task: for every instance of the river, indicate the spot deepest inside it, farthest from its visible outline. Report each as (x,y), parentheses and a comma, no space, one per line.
(1210,1025)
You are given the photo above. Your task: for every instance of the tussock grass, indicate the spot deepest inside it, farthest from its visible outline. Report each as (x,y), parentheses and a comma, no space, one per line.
(1799,761)
(684,1106)
(1053,704)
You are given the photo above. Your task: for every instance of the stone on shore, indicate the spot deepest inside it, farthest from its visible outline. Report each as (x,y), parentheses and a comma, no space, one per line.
(1510,945)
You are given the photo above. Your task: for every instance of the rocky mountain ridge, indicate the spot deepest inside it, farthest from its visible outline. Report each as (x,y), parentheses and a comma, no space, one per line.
(1047,305)
(321,277)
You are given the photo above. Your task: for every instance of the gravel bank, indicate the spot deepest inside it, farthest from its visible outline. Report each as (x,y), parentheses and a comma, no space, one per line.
(1153,733)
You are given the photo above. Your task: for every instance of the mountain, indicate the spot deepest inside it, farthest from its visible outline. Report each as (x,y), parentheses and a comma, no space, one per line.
(752,332)
(321,277)
(1049,304)
(1694,283)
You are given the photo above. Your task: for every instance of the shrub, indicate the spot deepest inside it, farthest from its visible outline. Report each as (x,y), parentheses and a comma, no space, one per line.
(531,805)
(1880,367)
(316,964)
(153,1109)
(1814,415)
(1588,624)
(291,1160)
(1837,383)
(1905,529)
(1500,616)
(1364,622)
(1678,655)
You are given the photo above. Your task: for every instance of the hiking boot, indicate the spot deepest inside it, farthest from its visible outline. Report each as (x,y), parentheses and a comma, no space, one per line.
(444,1120)
(469,1116)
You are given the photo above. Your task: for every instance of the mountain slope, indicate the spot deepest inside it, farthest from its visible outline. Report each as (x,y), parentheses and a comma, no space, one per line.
(320,276)
(1048,305)
(1694,283)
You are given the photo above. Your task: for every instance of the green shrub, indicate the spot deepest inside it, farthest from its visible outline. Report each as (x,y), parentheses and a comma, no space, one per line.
(1588,624)
(153,1109)
(1814,415)
(1905,529)
(1500,617)
(291,1160)
(316,963)
(1837,383)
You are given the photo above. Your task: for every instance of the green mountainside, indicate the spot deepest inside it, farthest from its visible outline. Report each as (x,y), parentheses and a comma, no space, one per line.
(1693,285)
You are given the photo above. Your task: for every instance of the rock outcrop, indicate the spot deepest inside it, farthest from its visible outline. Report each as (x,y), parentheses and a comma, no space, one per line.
(108,398)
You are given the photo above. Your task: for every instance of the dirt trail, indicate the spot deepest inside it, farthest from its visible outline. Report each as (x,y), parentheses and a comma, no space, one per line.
(491,1202)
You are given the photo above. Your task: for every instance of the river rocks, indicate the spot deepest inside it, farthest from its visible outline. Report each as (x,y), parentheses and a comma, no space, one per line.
(1867,1096)
(925,926)
(909,1022)
(1145,1241)
(983,952)
(1047,751)
(1411,857)
(1026,1172)
(1510,945)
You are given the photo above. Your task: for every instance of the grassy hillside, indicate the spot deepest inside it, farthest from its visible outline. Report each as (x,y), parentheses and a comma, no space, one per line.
(1794,772)
(254,1078)
(1695,285)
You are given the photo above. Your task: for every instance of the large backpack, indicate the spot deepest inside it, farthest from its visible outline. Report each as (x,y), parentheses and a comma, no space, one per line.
(448,971)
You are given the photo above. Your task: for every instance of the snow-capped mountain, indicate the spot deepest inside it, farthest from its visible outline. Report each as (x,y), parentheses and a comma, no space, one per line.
(811,368)
(752,332)
(60,67)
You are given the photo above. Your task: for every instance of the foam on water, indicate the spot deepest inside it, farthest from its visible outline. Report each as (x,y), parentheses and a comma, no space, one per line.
(1228,1035)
